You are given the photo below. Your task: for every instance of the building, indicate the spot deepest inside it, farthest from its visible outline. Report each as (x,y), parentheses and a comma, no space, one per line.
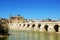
(16,19)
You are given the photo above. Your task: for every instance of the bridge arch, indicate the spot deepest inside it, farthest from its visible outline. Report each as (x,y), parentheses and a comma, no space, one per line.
(28,25)
(46,27)
(33,25)
(23,25)
(19,24)
(39,25)
(56,28)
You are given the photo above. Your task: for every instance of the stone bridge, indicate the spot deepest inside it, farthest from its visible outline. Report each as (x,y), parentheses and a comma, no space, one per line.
(37,26)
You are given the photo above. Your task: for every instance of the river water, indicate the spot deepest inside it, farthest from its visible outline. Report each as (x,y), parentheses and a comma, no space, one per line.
(25,35)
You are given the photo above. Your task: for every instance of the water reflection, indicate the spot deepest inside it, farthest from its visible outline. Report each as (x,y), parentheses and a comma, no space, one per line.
(24,35)
(54,37)
(5,38)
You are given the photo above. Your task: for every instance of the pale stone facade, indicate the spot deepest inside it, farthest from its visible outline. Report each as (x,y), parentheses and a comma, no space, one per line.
(36,25)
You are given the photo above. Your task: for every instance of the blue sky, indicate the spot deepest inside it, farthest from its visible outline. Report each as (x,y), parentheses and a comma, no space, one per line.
(30,9)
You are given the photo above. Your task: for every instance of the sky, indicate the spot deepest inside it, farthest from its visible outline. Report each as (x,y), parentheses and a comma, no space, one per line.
(30,9)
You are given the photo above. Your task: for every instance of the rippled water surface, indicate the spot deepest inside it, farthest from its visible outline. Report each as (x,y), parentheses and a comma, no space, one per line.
(25,35)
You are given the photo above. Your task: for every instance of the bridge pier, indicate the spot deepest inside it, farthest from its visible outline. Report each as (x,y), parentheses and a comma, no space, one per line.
(21,27)
(25,26)
(51,28)
(36,28)
(59,29)
(42,29)
(30,27)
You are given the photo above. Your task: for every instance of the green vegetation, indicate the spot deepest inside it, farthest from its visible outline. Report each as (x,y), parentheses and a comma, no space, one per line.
(3,30)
